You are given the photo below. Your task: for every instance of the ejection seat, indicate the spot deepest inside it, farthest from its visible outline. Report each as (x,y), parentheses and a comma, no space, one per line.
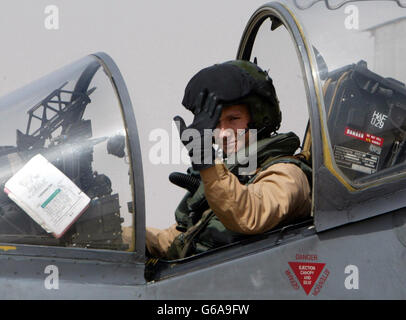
(366,120)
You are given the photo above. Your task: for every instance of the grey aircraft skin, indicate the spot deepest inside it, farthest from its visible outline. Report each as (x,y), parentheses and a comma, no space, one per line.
(352,247)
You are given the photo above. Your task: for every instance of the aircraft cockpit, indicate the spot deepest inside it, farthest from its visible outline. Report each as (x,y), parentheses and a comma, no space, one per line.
(339,71)
(73,120)
(345,59)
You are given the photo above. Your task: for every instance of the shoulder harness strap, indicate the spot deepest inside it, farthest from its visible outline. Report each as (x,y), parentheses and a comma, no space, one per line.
(299,160)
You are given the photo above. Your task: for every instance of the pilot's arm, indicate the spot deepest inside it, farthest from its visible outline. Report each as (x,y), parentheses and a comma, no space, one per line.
(279,193)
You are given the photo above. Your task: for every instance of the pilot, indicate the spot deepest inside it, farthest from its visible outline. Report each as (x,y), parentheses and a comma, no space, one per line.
(234,105)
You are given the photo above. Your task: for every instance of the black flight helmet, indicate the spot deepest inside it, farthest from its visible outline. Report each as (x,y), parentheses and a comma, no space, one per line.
(239,82)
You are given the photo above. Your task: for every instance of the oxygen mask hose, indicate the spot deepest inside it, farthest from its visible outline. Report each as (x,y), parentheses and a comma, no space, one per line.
(185,181)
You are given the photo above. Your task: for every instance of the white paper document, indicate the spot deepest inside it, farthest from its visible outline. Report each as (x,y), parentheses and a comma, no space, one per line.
(48,196)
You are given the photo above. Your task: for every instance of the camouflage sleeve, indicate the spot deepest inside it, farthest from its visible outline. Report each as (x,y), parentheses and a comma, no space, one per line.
(158,241)
(279,193)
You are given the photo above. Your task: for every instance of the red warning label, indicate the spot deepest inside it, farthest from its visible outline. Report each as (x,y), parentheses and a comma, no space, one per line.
(307,273)
(367,137)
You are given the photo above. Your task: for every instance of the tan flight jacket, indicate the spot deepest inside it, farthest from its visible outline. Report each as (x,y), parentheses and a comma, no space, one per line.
(279,193)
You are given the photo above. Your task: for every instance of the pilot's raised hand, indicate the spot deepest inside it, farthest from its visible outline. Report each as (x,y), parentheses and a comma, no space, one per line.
(198,136)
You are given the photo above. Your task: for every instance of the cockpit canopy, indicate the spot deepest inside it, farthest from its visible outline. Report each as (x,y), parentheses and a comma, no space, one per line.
(74,119)
(345,59)
(359,47)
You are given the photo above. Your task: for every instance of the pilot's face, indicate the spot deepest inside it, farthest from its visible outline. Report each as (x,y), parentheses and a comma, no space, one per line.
(230,128)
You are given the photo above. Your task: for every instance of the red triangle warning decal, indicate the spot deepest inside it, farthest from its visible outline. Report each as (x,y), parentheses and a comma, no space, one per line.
(307,273)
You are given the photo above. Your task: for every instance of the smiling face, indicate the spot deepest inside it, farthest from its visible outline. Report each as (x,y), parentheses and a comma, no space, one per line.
(230,129)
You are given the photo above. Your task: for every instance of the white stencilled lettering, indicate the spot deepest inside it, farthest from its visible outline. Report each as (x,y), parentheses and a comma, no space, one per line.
(378,119)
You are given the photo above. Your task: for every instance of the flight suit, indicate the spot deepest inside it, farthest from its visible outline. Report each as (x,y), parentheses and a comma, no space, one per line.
(280,193)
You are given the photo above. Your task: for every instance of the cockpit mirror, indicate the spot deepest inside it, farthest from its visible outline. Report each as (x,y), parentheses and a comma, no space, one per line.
(116,146)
